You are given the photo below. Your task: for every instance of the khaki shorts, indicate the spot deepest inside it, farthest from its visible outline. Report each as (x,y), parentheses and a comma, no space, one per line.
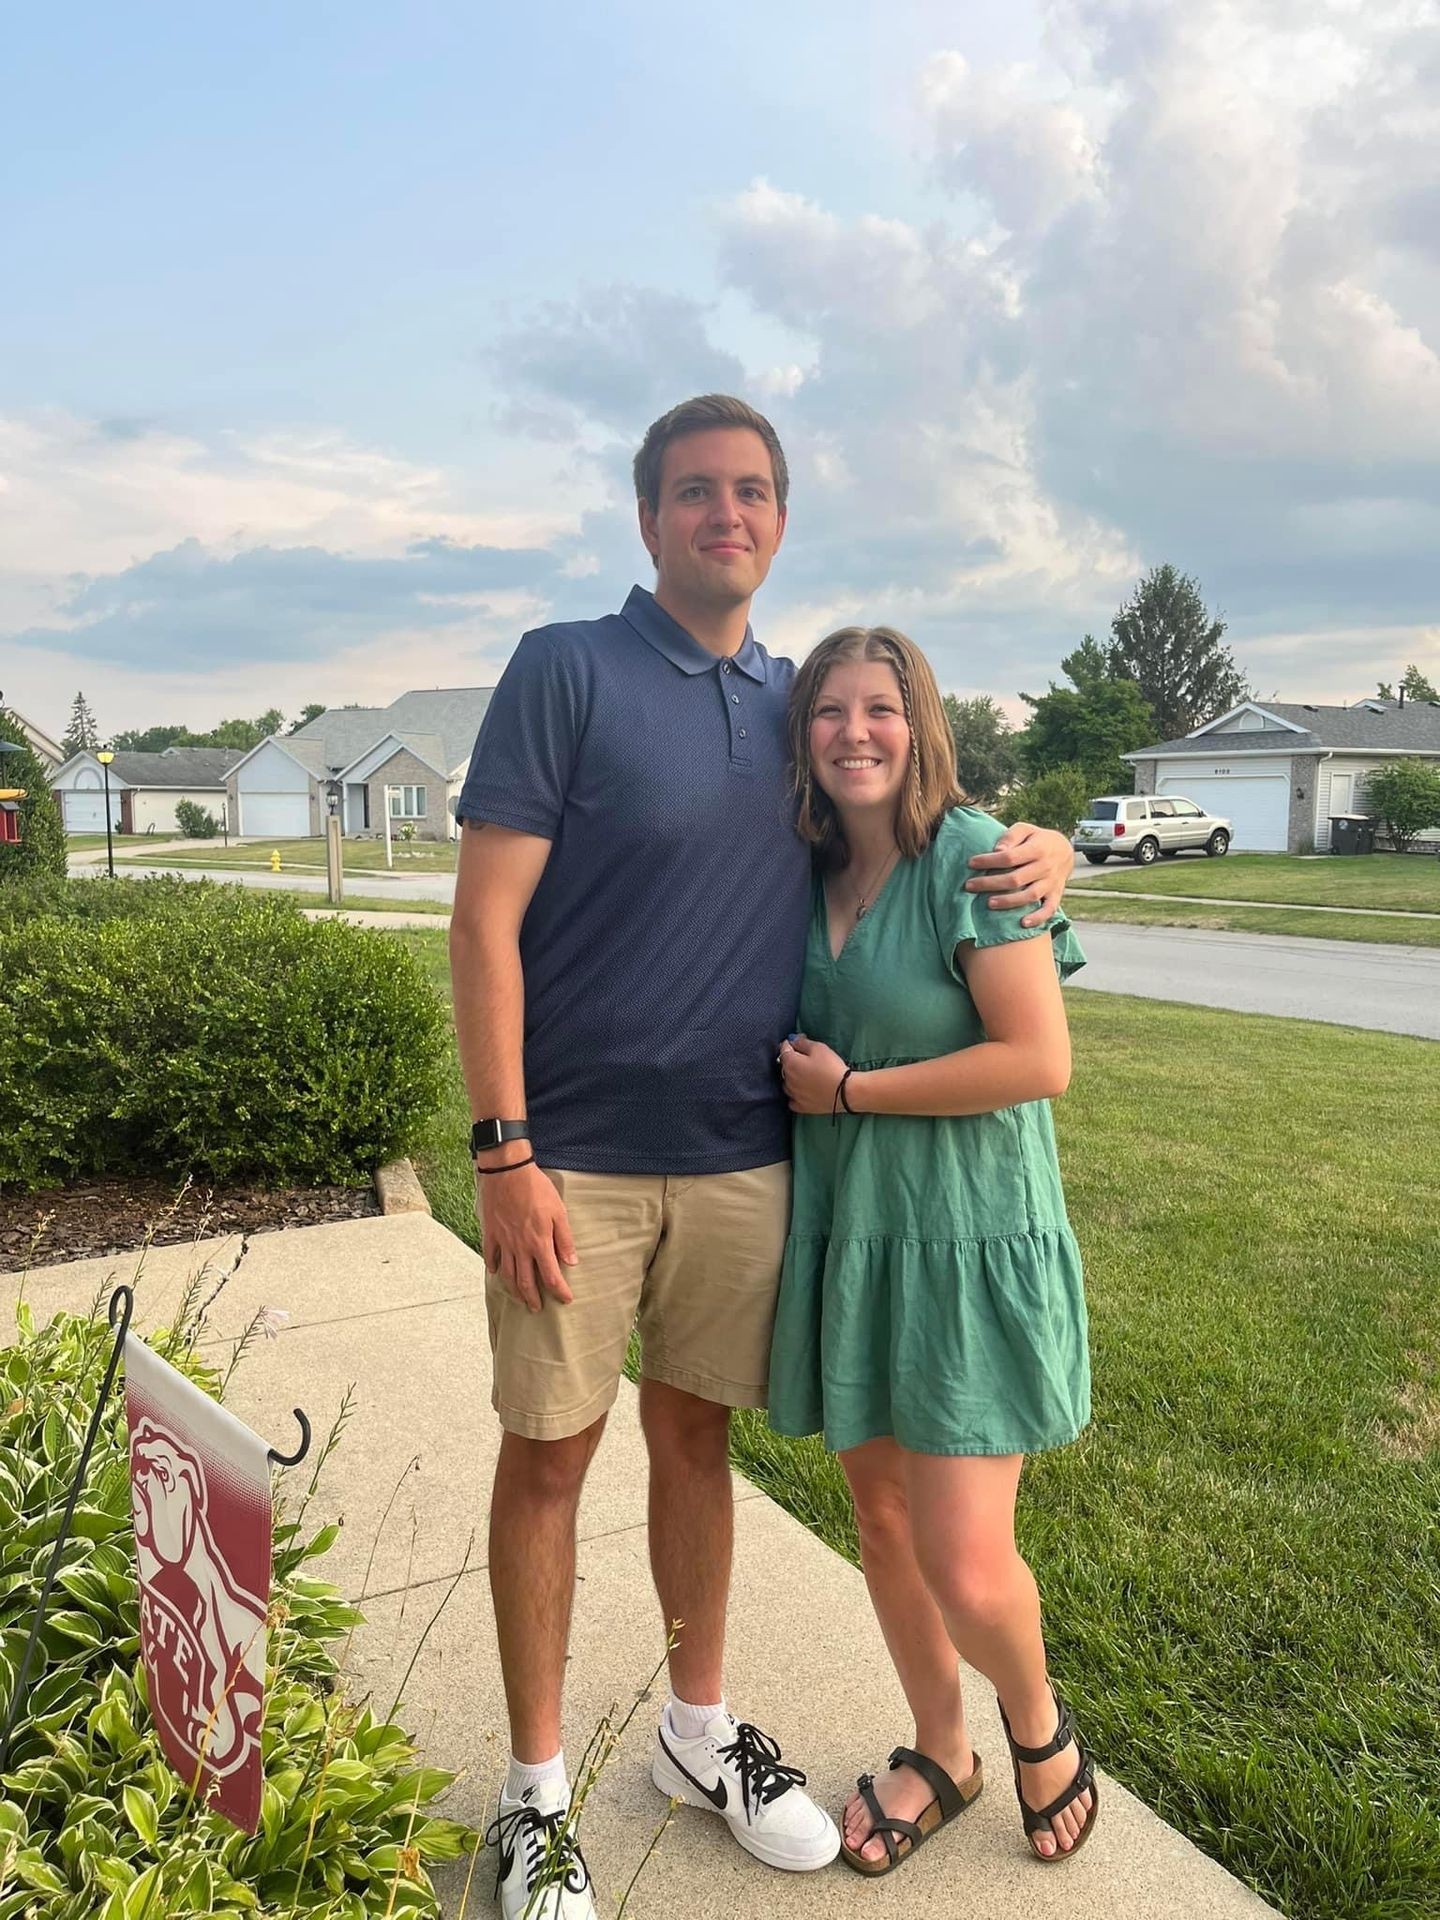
(693,1258)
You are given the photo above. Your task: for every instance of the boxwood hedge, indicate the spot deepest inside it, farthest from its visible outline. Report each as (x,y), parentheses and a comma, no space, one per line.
(211,1031)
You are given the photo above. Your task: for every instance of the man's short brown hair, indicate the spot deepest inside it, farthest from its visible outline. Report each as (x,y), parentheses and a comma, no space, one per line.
(707,410)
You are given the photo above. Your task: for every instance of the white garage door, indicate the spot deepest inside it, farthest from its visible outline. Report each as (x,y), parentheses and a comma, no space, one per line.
(85,811)
(1257,805)
(275,816)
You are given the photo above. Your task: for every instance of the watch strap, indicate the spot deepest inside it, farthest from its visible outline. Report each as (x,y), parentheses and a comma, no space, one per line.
(488,1133)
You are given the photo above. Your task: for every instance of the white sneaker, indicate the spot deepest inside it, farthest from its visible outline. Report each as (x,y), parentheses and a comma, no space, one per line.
(736,1771)
(537,1849)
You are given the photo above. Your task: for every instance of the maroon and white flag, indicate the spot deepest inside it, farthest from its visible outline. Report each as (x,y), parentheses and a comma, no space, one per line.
(200,1495)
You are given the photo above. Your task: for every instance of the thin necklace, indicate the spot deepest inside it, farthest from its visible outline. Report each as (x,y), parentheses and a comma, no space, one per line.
(865,900)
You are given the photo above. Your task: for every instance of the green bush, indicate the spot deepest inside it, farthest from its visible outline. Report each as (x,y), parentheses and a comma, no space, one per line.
(1055,799)
(213,1032)
(41,847)
(37,896)
(194,821)
(93,1823)
(1406,798)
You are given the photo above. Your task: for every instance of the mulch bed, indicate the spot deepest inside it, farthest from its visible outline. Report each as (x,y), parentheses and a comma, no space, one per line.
(113,1216)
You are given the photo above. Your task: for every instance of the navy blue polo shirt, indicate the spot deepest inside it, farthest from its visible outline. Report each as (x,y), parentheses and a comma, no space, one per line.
(664,944)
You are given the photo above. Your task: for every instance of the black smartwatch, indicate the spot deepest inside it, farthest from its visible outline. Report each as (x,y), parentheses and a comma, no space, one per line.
(494,1133)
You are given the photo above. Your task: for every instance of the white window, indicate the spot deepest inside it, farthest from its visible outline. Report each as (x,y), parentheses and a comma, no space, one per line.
(407,803)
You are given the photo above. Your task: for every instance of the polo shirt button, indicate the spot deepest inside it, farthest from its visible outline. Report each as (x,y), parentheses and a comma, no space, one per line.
(742,733)
(725,666)
(734,699)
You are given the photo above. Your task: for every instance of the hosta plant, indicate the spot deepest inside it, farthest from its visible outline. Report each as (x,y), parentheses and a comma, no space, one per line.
(93,1823)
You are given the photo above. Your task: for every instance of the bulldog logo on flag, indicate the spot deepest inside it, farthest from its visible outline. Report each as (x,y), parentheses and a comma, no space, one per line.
(200,1495)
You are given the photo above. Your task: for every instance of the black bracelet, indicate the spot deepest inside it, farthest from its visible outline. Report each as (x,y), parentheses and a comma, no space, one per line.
(840,1101)
(528,1162)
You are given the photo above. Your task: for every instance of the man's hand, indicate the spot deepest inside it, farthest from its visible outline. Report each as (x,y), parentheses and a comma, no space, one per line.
(1030,867)
(527,1235)
(811,1072)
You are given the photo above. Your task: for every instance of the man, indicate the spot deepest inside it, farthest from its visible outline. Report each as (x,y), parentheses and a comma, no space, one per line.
(627,941)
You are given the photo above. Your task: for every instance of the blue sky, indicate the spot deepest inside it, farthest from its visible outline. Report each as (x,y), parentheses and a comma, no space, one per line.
(327,333)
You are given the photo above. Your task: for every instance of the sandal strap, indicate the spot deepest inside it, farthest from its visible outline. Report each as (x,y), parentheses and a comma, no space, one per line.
(1083,1781)
(934,1775)
(1063,1735)
(886,1824)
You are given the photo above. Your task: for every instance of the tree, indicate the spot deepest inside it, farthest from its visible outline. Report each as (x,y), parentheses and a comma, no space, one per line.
(1056,798)
(152,739)
(82,735)
(1405,796)
(1164,639)
(985,751)
(1415,686)
(42,835)
(1089,727)
(312,710)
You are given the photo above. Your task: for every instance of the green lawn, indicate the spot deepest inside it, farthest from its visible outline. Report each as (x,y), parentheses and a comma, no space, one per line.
(1405,881)
(418,856)
(1319,924)
(1239,1559)
(362,904)
(78,842)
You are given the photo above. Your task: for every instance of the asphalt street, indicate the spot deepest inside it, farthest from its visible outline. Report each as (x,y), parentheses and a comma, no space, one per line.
(1346,983)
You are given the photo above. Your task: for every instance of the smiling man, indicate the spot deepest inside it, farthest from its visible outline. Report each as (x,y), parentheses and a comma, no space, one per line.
(626,944)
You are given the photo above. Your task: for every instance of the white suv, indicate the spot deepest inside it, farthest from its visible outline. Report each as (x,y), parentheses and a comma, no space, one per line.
(1144,829)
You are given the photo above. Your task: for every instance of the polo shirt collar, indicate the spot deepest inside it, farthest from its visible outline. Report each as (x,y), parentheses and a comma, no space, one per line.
(643,612)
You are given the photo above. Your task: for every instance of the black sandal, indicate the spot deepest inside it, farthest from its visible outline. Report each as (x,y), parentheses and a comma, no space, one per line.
(902,1837)
(1084,1782)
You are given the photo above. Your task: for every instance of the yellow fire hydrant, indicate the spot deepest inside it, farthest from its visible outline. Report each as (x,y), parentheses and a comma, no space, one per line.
(274,859)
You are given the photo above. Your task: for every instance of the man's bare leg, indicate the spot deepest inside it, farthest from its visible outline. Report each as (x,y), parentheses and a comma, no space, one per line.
(532,1578)
(692,1531)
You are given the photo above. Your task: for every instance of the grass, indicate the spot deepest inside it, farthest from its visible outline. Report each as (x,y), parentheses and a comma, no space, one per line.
(1319,924)
(1404,882)
(361,903)
(1239,1559)
(416,856)
(77,842)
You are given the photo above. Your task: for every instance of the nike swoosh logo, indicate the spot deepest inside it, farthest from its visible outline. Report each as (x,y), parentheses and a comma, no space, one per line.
(716,1795)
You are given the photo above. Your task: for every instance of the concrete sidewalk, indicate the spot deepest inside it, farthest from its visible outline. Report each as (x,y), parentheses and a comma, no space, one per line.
(395,1308)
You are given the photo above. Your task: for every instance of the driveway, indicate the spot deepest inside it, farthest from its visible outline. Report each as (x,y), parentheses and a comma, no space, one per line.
(1394,989)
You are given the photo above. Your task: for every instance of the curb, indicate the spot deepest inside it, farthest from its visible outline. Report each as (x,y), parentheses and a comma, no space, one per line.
(399,1188)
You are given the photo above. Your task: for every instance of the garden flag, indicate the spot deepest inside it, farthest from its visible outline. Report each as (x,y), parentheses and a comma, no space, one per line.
(200,1495)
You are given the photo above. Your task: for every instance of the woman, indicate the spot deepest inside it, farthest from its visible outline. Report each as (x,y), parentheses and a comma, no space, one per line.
(931,1318)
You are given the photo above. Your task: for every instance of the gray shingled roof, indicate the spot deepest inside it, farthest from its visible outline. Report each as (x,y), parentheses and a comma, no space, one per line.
(177,767)
(1415,728)
(448,717)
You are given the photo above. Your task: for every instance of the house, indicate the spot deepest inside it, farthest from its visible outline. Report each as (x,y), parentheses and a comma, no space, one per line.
(415,751)
(48,752)
(1279,770)
(145,788)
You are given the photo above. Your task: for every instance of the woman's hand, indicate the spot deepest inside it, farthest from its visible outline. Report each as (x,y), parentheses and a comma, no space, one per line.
(1030,867)
(811,1072)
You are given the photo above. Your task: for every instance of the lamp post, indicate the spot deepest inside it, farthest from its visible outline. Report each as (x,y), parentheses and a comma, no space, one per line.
(105,759)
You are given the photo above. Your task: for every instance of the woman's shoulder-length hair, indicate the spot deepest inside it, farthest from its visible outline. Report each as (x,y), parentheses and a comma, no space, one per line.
(931,787)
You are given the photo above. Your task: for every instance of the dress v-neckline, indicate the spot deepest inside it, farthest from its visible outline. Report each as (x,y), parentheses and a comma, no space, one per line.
(873,907)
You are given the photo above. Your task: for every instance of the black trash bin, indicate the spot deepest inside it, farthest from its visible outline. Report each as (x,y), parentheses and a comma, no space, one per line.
(1351,833)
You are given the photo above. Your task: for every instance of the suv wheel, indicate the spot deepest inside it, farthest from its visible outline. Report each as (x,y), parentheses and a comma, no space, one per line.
(1218,843)
(1097,859)
(1147,853)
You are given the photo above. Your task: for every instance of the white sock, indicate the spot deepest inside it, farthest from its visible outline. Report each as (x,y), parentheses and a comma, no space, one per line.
(549,1773)
(690,1722)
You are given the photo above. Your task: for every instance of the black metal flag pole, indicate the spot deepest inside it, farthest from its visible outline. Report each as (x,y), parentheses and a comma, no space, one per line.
(122,1304)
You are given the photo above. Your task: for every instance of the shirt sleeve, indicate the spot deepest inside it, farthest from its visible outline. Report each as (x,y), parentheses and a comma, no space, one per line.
(524,757)
(961,916)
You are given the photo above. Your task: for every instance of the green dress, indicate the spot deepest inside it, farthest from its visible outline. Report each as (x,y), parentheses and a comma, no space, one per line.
(932,1287)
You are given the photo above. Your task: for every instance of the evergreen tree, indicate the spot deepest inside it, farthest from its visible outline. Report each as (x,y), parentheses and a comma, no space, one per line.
(82,735)
(42,836)
(1165,640)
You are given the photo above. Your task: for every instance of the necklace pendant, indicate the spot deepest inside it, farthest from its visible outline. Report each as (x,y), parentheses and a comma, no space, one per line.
(860,912)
